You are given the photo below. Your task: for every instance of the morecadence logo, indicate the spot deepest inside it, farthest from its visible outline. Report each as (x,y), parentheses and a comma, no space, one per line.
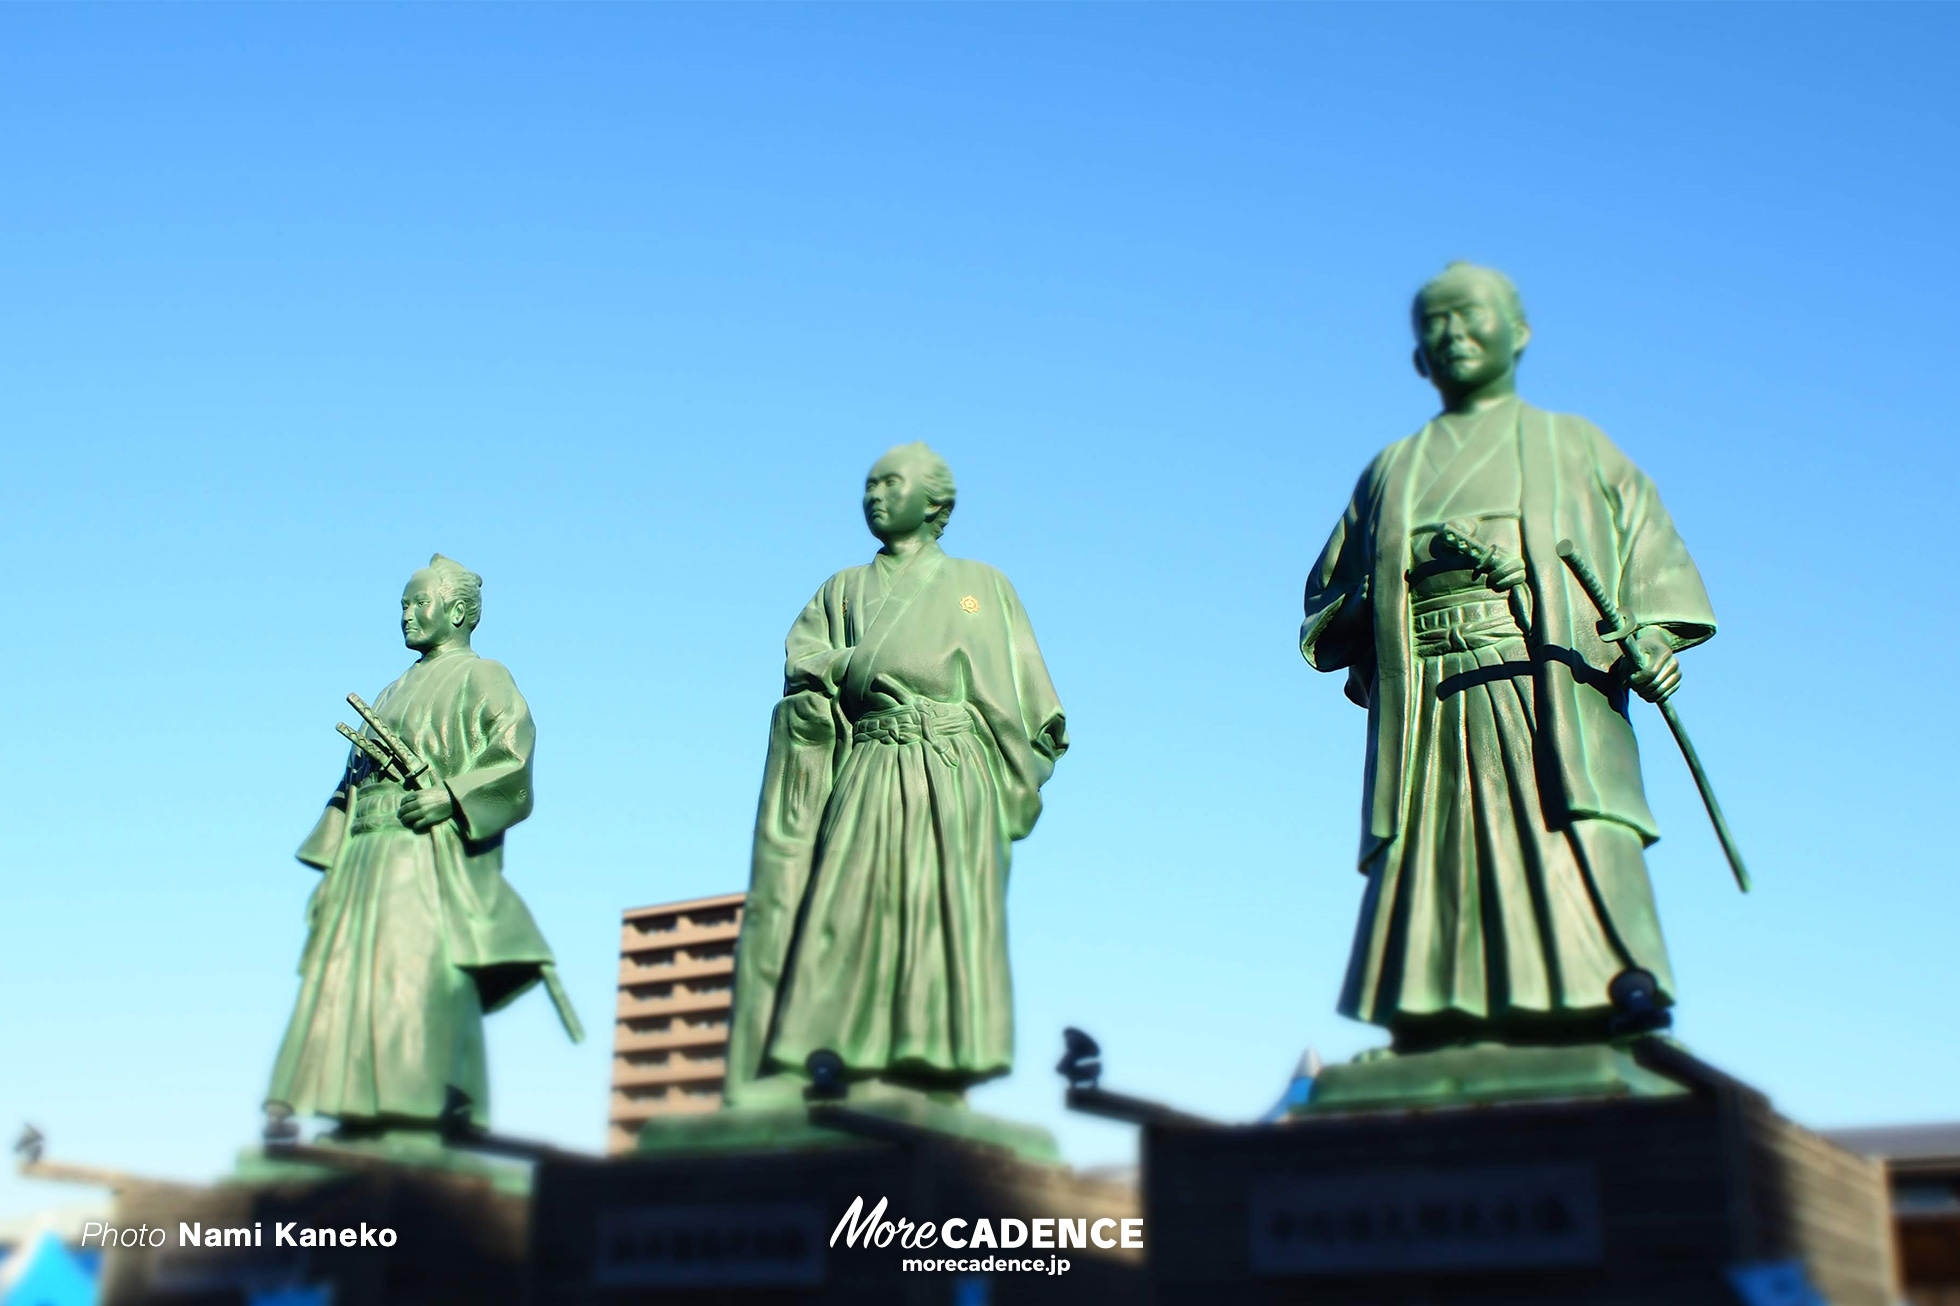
(1046,1233)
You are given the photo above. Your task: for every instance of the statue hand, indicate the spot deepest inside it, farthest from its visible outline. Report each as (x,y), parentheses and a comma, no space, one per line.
(1656,671)
(427,808)
(1506,570)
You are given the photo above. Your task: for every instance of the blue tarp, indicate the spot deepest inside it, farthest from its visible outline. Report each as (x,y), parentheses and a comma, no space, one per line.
(45,1273)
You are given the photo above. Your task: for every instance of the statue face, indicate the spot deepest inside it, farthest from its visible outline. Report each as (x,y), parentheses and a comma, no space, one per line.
(895,503)
(1467,340)
(426,619)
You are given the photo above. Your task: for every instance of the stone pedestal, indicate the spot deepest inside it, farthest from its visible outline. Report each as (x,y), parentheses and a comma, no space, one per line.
(791,1122)
(753,1225)
(1492,1073)
(1613,1200)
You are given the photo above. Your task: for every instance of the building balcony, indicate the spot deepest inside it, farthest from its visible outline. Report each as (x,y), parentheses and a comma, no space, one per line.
(677,1071)
(633,971)
(671,1004)
(711,920)
(633,939)
(690,1036)
(644,1104)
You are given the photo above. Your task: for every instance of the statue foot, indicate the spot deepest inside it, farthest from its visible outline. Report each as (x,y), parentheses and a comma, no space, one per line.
(281,1130)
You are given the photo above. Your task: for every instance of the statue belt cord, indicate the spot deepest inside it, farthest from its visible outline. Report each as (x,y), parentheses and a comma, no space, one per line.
(1458,623)
(377,806)
(916,723)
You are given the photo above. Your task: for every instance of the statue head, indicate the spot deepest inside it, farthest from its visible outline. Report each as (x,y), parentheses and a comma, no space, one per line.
(907,491)
(441,605)
(1470,332)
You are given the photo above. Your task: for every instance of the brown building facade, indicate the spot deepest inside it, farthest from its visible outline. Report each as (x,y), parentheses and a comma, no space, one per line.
(1923,1163)
(670,1030)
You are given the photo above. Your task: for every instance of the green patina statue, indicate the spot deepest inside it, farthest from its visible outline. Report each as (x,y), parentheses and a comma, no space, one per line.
(412,933)
(1503,818)
(916,729)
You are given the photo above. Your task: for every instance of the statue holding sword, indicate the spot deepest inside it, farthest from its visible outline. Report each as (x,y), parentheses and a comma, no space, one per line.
(1499,584)
(413,934)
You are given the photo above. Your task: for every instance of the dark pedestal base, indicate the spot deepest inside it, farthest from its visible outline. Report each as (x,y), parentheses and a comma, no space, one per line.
(754,1227)
(1627,1201)
(458,1240)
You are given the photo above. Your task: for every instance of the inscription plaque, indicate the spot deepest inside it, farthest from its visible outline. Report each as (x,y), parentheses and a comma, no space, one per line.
(1493,1217)
(738,1243)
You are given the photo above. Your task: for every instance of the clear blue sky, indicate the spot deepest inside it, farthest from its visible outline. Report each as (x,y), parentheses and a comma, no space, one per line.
(616,304)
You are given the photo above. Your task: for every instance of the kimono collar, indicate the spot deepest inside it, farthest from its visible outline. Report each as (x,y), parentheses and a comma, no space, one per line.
(890,567)
(445,653)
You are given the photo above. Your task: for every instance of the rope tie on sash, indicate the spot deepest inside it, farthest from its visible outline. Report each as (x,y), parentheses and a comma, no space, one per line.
(935,725)
(1457,623)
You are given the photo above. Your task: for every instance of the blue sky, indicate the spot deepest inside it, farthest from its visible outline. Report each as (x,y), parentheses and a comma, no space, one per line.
(616,304)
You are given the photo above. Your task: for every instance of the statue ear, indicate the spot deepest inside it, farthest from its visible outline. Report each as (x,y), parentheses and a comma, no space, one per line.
(1520,338)
(457,613)
(1422,364)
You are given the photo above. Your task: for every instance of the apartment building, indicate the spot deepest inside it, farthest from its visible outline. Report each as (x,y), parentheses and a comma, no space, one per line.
(670,1030)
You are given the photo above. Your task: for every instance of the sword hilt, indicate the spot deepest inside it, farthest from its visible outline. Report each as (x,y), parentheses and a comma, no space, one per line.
(412,768)
(1620,629)
(377,757)
(1480,554)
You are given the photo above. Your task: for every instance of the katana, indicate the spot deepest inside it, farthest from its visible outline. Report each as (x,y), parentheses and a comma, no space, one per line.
(411,769)
(378,758)
(1621,632)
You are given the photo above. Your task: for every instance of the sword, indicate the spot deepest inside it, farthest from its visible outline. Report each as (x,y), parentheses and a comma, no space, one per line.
(411,767)
(384,765)
(1621,632)
(1484,558)
(563,1001)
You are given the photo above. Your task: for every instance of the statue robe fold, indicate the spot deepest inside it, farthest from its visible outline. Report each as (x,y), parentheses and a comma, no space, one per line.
(916,729)
(412,937)
(1503,815)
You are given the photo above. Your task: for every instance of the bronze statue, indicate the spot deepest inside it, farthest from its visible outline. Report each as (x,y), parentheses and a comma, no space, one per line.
(907,755)
(1503,820)
(413,933)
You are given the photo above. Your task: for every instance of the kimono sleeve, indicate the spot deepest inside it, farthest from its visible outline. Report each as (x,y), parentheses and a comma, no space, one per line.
(1021,710)
(813,660)
(1043,723)
(806,732)
(1659,583)
(803,735)
(1338,629)
(493,792)
(323,845)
